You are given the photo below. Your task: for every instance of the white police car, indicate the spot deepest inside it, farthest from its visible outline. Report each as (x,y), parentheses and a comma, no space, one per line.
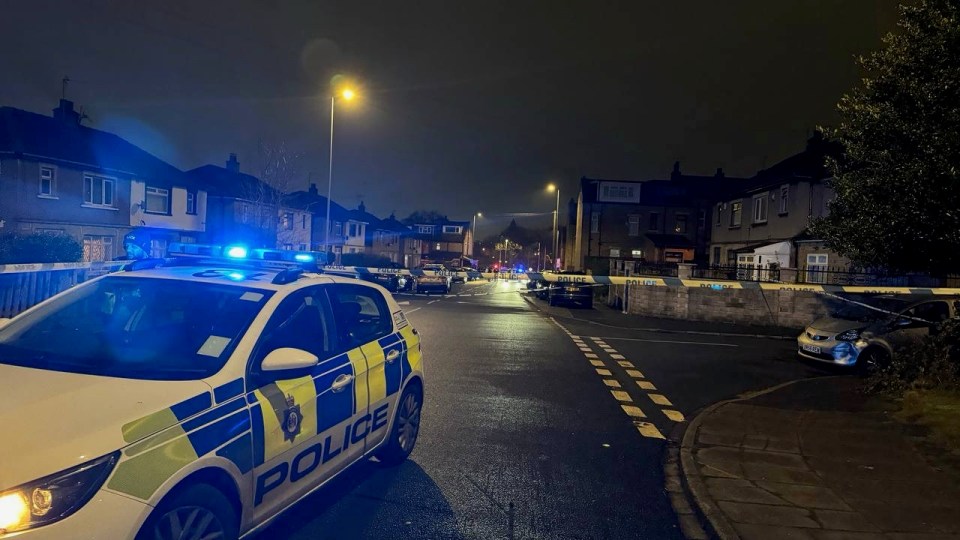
(197,399)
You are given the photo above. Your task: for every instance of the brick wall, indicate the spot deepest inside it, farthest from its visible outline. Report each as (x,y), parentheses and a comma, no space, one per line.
(789,309)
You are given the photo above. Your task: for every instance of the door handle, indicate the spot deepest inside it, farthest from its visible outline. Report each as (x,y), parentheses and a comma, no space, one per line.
(342,381)
(392,355)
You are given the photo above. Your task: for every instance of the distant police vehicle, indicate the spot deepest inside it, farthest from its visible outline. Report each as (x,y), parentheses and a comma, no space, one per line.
(198,398)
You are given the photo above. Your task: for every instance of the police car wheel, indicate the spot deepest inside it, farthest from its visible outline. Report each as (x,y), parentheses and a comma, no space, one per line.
(198,512)
(406,428)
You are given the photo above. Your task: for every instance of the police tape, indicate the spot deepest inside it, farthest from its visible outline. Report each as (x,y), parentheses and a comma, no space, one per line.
(651,281)
(45,267)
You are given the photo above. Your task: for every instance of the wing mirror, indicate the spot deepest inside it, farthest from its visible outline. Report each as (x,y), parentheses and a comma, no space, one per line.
(286,358)
(903,322)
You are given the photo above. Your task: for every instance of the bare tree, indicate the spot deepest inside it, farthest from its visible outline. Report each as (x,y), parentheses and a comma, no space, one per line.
(277,170)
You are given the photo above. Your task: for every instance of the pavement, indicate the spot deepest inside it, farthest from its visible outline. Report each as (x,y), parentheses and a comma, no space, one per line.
(816,460)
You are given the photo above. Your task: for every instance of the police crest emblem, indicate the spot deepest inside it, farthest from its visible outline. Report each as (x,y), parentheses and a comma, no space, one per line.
(292,418)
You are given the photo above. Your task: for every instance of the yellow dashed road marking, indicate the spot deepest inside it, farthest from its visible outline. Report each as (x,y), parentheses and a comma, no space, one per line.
(612,383)
(676,416)
(646,385)
(598,363)
(625,363)
(633,410)
(660,399)
(596,339)
(590,355)
(620,395)
(649,430)
(606,373)
(585,349)
(610,351)
(634,373)
(618,357)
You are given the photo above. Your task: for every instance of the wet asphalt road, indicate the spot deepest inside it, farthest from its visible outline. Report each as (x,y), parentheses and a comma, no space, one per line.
(530,425)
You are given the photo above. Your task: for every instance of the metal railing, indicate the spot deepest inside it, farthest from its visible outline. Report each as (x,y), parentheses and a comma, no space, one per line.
(738,273)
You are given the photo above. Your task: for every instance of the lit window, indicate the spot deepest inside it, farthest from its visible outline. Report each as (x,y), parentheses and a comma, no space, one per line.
(288,222)
(97,190)
(48,178)
(452,229)
(97,248)
(157,200)
(816,267)
(191,202)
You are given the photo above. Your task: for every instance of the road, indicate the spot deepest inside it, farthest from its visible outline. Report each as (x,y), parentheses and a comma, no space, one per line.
(539,422)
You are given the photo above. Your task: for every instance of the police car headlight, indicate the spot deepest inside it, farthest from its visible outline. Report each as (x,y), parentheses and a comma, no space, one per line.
(54,497)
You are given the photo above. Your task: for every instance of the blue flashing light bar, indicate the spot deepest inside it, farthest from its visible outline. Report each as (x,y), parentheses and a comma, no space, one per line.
(304,257)
(236,252)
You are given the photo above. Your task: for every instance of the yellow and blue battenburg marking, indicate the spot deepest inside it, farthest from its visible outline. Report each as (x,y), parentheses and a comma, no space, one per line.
(251,428)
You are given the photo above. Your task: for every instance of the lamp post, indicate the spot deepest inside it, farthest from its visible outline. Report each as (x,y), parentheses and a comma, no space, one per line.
(346,94)
(555,241)
(476,239)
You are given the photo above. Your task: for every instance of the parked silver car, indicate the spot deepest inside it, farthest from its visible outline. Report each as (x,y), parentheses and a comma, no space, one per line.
(866,339)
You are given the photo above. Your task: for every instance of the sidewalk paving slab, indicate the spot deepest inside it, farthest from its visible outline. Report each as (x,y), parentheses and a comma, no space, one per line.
(816,460)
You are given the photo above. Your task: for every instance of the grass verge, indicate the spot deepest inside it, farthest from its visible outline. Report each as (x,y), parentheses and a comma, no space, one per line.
(938,410)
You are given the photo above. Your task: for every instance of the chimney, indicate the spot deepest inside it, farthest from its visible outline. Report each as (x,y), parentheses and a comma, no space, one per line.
(676,171)
(719,173)
(313,190)
(65,113)
(232,164)
(362,208)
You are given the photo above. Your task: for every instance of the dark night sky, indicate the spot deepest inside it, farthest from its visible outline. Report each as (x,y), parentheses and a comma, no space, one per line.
(467,106)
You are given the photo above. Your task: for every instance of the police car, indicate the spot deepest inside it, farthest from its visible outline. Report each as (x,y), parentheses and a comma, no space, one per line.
(197,397)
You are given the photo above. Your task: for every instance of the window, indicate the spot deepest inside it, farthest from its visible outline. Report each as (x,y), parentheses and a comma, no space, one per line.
(158,247)
(816,267)
(287,247)
(719,212)
(97,248)
(618,192)
(97,190)
(636,253)
(701,219)
(191,202)
(362,315)
(633,225)
(784,199)
(122,327)
(301,321)
(452,229)
(760,207)
(287,221)
(337,228)
(680,223)
(302,247)
(425,229)
(716,255)
(614,252)
(243,213)
(438,246)
(654,224)
(594,222)
(352,229)
(935,312)
(303,222)
(736,211)
(731,257)
(48,181)
(157,201)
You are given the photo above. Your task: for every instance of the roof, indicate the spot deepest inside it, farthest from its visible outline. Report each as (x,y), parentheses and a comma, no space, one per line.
(679,191)
(364,217)
(64,139)
(313,202)
(222,182)
(807,166)
(391,224)
(671,241)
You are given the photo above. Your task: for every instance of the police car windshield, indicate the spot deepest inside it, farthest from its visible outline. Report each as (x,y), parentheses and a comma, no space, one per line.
(136,328)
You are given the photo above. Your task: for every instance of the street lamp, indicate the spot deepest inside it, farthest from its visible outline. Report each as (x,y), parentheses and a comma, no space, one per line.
(476,239)
(555,241)
(346,94)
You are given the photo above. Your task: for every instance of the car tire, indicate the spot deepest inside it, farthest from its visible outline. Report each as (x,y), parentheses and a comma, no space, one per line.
(202,508)
(872,360)
(406,427)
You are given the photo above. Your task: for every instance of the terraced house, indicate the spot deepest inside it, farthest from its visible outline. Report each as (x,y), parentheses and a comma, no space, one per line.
(58,176)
